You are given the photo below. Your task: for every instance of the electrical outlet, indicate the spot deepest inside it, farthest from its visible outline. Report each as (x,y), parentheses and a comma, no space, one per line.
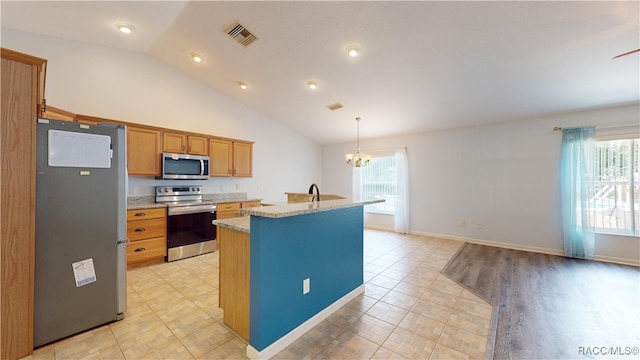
(306,286)
(132,190)
(462,223)
(479,226)
(237,186)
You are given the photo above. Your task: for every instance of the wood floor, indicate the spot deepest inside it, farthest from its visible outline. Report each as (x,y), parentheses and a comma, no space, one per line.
(551,307)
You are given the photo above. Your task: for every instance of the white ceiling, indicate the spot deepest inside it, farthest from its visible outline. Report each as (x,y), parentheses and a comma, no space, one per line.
(424,65)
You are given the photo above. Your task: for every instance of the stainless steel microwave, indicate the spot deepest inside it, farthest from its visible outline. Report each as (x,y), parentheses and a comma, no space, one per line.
(184,166)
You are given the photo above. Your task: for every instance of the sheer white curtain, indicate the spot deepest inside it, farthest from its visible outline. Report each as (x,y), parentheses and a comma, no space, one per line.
(401,215)
(401,184)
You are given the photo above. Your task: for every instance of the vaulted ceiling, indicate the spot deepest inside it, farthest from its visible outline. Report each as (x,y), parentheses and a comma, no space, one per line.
(423,65)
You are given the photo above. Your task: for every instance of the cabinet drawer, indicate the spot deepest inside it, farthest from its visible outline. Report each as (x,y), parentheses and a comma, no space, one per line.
(146,229)
(146,249)
(142,214)
(228,207)
(227,214)
(250,204)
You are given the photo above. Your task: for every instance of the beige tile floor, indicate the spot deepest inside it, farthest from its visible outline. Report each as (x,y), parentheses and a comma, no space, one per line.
(408,311)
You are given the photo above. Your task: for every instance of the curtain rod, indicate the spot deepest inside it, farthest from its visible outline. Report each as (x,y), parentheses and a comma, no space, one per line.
(557,128)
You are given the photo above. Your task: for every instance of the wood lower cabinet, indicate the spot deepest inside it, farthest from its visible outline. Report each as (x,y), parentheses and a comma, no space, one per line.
(22,90)
(234,279)
(143,151)
(147,233)
(227,210)
(249,204)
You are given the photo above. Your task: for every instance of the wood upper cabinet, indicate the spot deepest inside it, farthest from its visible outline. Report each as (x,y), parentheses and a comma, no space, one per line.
(184,144)
(221,155)
(230,158)
(197,145)
(22,94)
(174,143)
(58,114)
(143,151)
(242,159)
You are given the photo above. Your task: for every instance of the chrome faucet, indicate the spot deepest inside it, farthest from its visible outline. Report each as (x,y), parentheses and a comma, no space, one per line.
(317,197)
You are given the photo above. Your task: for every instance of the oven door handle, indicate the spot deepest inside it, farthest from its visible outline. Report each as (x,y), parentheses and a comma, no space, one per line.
(182,210)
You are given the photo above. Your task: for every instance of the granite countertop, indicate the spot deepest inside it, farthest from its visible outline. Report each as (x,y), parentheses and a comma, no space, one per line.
(143,202)
(294,209)
(234,201)
(149,202)
(241,223)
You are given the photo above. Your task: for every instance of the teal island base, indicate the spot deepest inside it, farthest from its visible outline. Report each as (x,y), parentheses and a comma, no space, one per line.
(304,265)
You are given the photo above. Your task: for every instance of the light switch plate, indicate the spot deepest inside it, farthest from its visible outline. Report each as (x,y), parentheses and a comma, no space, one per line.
(306,286)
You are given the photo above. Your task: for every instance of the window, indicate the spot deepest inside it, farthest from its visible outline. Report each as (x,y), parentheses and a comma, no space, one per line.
(615,204)
(378,180)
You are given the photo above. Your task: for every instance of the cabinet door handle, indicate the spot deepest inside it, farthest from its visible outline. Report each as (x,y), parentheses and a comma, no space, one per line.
(140,214)
(140,229)
(140,249)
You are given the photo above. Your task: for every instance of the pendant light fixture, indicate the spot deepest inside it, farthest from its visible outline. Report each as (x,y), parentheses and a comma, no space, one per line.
(357,159)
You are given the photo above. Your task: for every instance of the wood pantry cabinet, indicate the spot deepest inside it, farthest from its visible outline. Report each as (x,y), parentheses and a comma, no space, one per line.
(231,158)
(22,96)
(143,151)
(147,233)
(184,144)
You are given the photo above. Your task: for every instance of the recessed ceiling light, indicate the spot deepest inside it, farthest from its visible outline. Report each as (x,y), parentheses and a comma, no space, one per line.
(197,58)
(243,86)
(353,51)
(125,28)
(312,85)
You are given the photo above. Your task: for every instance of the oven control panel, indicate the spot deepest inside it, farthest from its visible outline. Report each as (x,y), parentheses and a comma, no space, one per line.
(179,190)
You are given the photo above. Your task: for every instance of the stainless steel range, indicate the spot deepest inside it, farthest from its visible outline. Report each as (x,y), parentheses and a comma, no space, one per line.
(190,231)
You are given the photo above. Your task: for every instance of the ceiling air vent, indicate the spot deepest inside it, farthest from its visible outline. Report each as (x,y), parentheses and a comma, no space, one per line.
(241,34)
(335,106)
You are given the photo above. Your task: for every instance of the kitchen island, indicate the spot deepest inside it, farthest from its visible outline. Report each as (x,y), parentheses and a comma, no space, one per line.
(287,267)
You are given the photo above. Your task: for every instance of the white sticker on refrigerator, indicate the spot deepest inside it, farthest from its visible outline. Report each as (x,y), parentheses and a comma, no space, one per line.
(75,149)
(84,272)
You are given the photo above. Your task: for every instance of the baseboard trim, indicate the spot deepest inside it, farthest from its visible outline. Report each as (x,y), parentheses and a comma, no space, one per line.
(609,259)
(617,260)
(381,228)
(280,344)
(496,244)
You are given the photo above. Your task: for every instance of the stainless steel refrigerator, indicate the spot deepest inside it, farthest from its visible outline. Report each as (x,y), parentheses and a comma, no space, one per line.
(80,263)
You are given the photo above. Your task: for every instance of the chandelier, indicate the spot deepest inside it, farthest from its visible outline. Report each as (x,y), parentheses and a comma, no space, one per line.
(357,159)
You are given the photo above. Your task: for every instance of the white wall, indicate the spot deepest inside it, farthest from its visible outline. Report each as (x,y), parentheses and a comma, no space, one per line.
(504,176)
(116,84)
